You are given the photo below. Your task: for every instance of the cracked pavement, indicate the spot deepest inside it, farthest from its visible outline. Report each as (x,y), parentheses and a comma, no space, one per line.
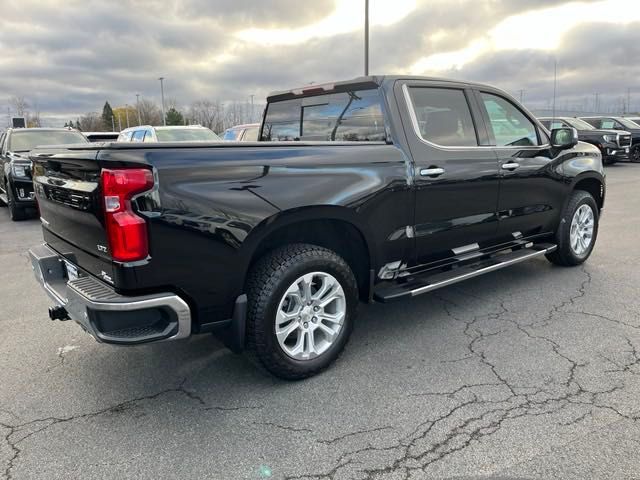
(529,372)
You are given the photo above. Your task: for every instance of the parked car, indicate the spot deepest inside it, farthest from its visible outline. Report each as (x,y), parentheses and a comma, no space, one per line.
(101,136)
(147,133)
(424,183)
(620,123)
(242,133)
(16,189)
(614,145)
(635,120)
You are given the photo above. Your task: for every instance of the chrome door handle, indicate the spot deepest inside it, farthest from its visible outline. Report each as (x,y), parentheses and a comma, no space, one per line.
(431,172)
(510,165)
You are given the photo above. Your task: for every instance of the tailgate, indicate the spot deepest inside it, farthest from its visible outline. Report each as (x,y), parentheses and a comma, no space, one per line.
(67,186)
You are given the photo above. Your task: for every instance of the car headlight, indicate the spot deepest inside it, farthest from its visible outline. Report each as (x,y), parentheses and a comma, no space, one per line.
(610,138)
(19,170)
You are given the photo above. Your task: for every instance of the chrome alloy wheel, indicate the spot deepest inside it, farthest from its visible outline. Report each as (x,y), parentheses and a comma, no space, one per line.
(581,233)
(310,315)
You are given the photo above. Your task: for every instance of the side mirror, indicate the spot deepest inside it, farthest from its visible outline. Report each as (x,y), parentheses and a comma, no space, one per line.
(564,138)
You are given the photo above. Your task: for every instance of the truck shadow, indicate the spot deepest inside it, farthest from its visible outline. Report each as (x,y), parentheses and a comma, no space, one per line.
(384,334)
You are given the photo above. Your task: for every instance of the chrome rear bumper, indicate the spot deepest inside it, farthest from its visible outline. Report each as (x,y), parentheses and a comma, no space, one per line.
(105,314)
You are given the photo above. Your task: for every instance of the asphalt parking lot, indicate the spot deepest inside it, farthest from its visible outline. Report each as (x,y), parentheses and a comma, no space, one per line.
(530,372)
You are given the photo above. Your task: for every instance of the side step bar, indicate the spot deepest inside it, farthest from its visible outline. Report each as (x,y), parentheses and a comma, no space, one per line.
(432,281)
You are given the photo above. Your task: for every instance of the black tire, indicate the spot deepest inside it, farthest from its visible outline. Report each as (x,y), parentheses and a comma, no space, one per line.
(268,281)
(16,213)
(634,156)
(565,254)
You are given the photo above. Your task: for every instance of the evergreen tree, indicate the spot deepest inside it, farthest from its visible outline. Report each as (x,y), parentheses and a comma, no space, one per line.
(174,117)
(107,117)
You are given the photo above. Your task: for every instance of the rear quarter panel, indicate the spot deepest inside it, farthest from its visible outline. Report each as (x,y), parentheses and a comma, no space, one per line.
(213,206)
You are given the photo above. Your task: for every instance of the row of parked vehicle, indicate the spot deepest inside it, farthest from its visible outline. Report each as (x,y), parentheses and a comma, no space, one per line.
(617,138)
(16,189)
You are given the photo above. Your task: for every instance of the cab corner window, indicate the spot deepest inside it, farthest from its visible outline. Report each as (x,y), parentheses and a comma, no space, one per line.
(510,126)
(443,116)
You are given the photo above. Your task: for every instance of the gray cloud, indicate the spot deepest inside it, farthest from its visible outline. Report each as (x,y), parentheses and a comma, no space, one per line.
(70,57)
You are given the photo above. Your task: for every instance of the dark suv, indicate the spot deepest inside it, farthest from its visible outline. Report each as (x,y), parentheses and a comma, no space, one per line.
(16,188)
(620,123)
(614,145)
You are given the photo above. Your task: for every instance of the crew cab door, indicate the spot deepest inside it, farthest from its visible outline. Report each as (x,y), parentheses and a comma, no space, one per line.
(531,193)
(456,172)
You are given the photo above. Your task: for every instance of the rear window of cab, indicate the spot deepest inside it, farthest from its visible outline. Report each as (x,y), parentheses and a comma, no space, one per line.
(346,116)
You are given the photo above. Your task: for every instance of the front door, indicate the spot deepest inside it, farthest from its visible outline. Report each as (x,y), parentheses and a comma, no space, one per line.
(531,187)
(456,172)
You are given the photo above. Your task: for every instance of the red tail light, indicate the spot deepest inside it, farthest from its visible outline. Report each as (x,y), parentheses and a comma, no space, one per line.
(126,231)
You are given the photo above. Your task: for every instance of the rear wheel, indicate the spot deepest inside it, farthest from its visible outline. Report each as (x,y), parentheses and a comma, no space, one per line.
(16,213)
(577,232)
(302,304)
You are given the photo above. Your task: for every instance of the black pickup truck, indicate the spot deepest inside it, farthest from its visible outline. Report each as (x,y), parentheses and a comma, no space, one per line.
(614,145)
(374,189)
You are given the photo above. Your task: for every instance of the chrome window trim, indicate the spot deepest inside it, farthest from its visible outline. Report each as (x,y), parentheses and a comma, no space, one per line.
(416,128)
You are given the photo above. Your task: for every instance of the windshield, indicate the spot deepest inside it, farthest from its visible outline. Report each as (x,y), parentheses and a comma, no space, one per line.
(25,140)
(628,123)
(580,124)
(186,135)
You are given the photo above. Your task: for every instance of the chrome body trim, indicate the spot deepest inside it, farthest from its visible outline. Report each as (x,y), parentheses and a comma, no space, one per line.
(481,271)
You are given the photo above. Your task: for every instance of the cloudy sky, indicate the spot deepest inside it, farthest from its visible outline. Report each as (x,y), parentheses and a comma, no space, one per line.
(69,56)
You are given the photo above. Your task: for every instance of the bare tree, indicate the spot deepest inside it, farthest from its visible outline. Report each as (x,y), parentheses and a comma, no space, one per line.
(90,122)
(150,112)
(19,105)
(208,114)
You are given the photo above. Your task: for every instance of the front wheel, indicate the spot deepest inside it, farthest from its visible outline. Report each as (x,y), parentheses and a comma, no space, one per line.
(577,232)
(302,305)
(635,154)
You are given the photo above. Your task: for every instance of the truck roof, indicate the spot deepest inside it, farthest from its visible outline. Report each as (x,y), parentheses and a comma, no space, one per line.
(363,82)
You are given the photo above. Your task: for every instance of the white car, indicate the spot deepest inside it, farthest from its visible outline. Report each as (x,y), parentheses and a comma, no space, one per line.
(188,133)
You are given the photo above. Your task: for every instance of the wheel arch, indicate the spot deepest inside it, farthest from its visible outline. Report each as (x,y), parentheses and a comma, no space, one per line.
(336,228)
(593,183)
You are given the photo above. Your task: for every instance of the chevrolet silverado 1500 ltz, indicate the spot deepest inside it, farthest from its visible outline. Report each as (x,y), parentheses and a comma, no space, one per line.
(390,187)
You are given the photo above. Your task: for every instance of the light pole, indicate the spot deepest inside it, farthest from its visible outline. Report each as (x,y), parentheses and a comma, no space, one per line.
(164,118)
(251,116)
(366,37)
(138,108)
(126,112)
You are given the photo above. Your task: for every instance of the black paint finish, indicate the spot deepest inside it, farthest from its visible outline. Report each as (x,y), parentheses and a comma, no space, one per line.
(214,205)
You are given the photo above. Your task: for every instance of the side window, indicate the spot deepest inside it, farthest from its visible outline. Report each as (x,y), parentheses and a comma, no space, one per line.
(510,126)
(443,116)
(138,136)
(282,121)
(607,123)
(148,136)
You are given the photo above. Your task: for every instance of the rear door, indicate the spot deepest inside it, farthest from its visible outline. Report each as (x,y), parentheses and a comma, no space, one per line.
(531,192)
(456,172)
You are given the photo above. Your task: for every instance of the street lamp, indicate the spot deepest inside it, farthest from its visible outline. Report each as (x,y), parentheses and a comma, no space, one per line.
(366,37)
(138,108)
(164,118)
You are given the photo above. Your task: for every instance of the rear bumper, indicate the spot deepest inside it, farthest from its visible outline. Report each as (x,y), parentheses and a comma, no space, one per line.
(105,314)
